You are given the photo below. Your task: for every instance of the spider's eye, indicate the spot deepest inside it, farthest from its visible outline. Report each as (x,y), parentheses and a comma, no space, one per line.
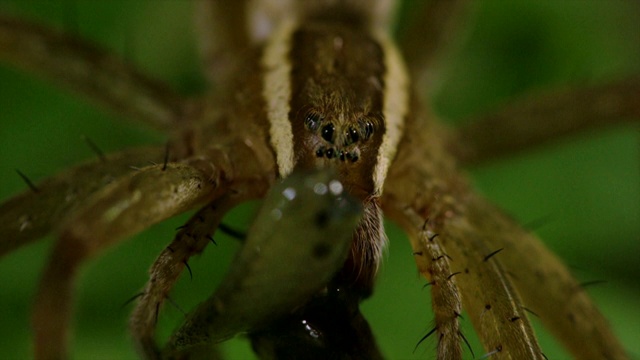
(352,136)
(312,120)
(327,132)
(329,153)
(366,128)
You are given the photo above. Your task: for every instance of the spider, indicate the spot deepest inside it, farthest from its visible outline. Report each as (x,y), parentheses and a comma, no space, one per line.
(396,247)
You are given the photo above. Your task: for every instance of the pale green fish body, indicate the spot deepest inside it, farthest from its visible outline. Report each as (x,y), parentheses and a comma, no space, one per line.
(298,241)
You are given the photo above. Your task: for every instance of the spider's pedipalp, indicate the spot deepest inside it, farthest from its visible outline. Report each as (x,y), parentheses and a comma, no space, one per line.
(191,240)
(122,208)
(31,215)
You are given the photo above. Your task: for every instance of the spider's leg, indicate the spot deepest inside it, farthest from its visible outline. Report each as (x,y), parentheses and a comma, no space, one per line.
(462,270)
(423,183)
(535,120)
(223,36)
(426,38)
(121,209)
(190,240)
(488,294)
(299,240)
(31,215)
(435,266)
(547,287)
(94,72)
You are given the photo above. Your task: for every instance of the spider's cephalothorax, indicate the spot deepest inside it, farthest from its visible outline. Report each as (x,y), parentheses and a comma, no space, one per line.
(344,110)
(313,108)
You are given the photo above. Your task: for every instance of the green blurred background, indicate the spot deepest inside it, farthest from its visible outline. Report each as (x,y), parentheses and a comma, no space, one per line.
(588,186)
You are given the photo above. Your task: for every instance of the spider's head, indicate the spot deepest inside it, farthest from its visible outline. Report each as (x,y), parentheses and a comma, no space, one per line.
(345,109)
(337,139)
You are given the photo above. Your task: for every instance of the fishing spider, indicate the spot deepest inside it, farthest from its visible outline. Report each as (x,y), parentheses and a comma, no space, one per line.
(18,156)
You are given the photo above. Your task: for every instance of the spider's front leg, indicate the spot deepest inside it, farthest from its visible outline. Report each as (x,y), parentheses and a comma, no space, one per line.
(165,271)
(435,265)
(33,214)
(123,208)
(425,194)
(494,289)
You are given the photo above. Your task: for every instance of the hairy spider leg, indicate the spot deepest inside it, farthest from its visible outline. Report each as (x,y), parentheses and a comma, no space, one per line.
(120,209)
(222,31)
(190,240)
(29,216)
(427,40)
(535,120)
(488,294)
(471,241)
(101,76)
(414,194)
(435,266)
(563,307)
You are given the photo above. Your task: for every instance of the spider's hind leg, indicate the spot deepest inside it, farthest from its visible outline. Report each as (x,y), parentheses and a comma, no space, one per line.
(123,208)
(426,40)
(223,36)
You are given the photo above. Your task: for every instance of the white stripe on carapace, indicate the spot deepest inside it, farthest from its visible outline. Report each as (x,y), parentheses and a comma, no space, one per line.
(395,107)
(276,91)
